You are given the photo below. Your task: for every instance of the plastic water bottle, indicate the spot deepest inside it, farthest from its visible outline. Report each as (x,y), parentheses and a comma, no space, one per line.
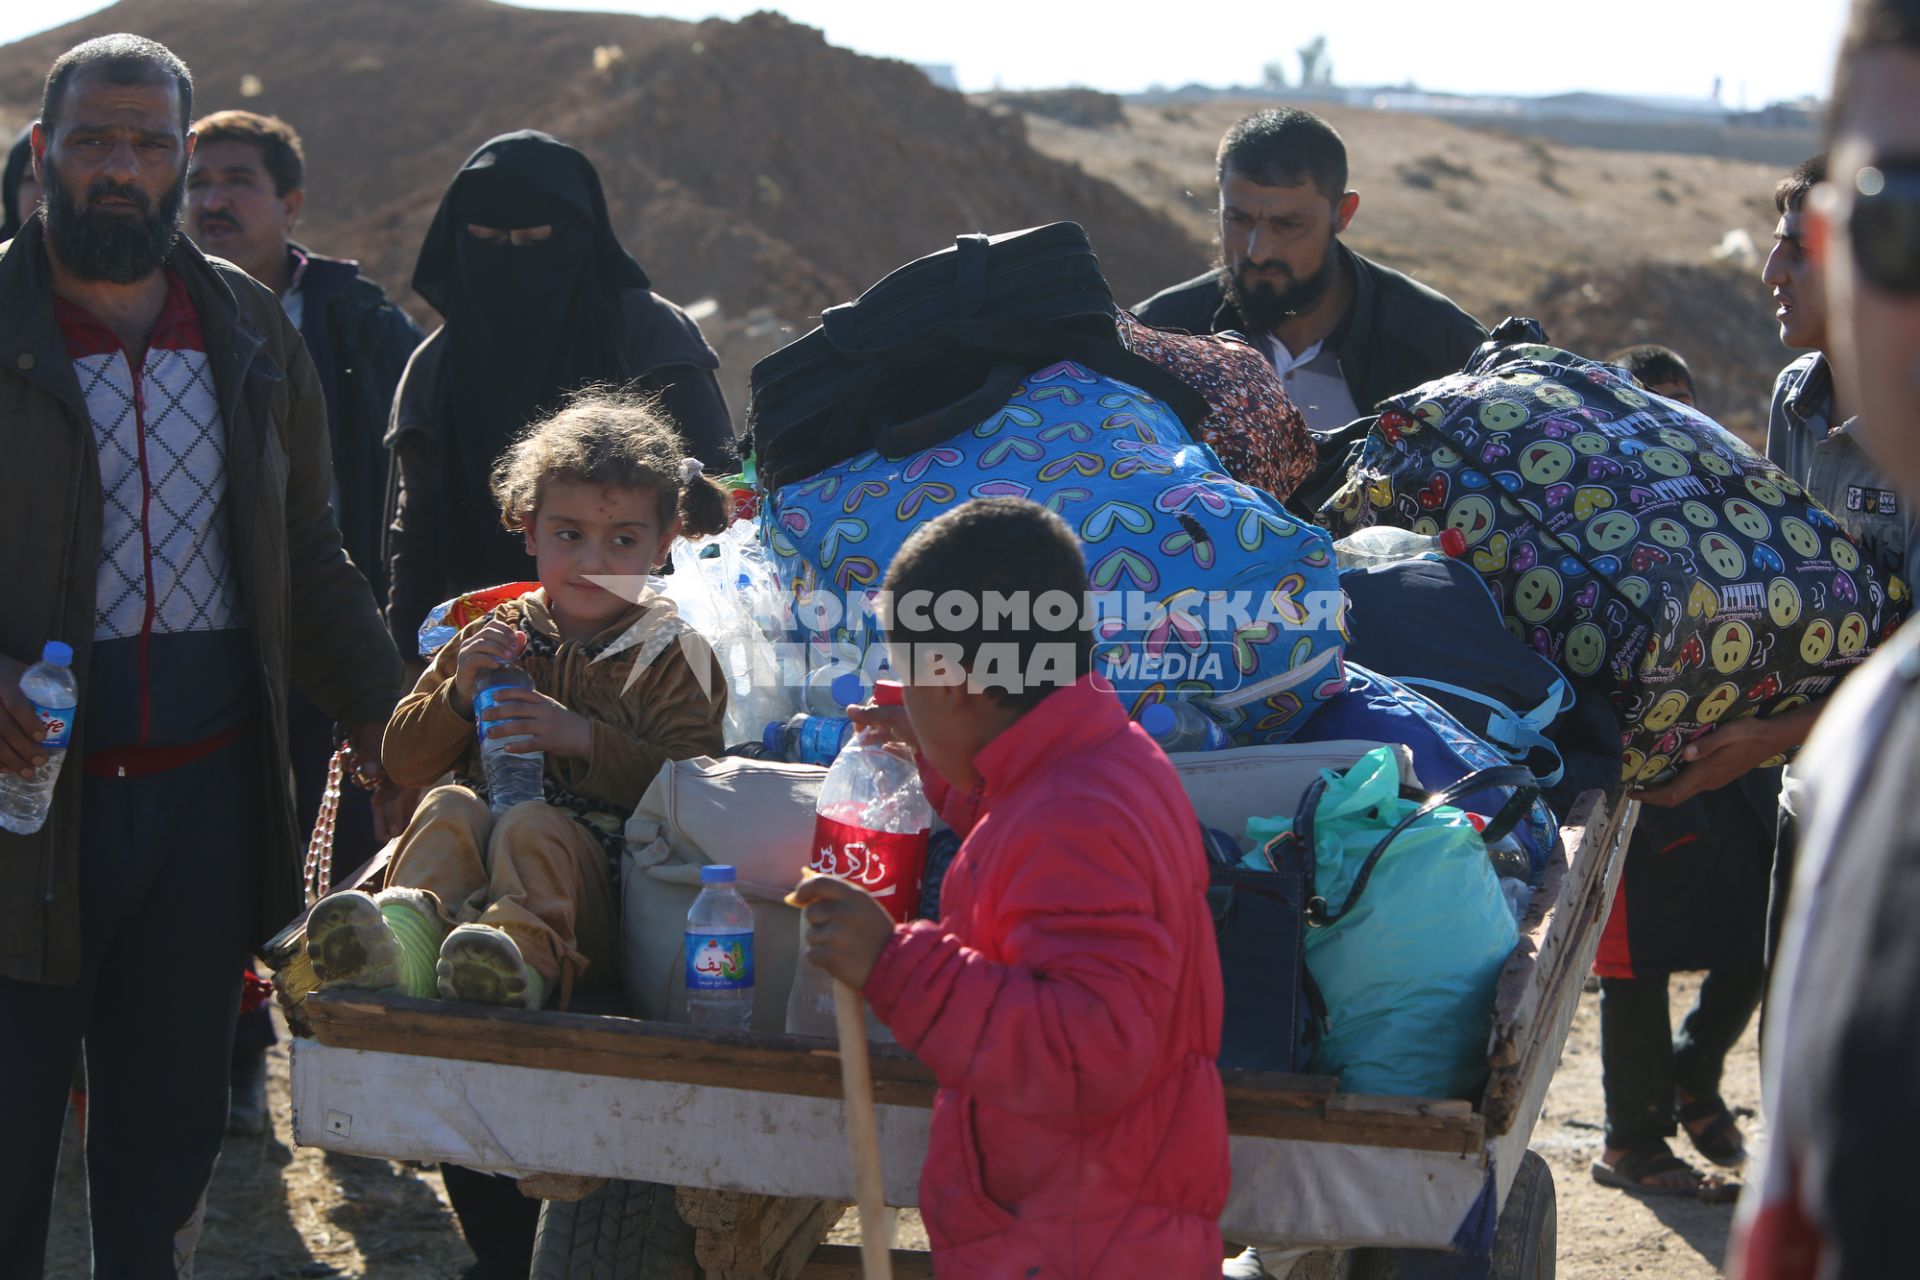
(870,830)
(512,777)
(1181,726)
(1383,544)
(48,685)
(719,953)
(808,739)
(829,692)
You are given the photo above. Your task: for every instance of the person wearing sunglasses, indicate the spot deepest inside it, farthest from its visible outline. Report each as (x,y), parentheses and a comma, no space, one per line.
(1841,1053)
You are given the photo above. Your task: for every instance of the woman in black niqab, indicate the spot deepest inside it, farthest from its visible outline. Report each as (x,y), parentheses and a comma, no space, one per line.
(19,168)
(525,323)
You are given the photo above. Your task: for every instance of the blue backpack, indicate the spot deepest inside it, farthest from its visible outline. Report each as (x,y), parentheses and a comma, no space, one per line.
(1161,524)
(1378,708)
(1432,624)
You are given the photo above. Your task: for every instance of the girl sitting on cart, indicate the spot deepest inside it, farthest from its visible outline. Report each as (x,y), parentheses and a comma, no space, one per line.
(505,910)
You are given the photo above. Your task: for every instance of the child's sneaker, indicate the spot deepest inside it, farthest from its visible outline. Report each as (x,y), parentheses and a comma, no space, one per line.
(350,944)
(482,965)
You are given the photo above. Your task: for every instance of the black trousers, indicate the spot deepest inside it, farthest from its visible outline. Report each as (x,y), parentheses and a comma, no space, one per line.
(168,866)
(497,1220)
(1642,1062)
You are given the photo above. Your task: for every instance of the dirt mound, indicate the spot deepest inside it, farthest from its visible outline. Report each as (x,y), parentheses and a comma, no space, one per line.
(1087,108)
(747,162)
(1714,316)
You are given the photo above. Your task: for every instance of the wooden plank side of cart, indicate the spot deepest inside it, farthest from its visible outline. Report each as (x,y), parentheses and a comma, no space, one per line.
(618,1097)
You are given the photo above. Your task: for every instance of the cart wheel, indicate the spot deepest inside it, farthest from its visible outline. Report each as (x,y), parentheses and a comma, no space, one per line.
(1525,1243)
(623,1231)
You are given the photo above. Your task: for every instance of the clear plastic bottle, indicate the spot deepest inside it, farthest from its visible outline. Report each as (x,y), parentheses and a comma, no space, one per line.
(512,777)
(871,830)
(1383,544)
(49,686)
(719,953)
(1181,726)
(808,739)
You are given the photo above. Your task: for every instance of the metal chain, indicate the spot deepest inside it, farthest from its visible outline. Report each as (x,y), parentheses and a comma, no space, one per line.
(319,870)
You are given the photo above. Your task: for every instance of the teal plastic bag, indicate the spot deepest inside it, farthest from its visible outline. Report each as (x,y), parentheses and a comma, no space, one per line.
(1409,973)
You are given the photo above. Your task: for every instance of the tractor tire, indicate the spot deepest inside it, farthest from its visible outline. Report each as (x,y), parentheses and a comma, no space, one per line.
(623,1231)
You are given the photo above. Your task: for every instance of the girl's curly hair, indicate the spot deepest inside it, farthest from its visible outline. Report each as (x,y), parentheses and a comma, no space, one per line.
(608,437)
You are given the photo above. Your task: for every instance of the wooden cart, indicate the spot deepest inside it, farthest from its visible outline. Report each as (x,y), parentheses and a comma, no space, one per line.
(723,1153)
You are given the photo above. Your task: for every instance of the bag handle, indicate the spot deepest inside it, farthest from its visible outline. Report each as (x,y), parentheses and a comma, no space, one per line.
(1526,790)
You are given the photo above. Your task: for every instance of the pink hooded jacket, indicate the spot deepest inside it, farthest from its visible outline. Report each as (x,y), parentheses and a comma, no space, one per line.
(1069,1004)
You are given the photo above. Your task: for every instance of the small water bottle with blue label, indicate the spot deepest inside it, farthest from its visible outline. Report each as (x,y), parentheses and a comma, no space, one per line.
(49,686)
(719,953)
(513,777)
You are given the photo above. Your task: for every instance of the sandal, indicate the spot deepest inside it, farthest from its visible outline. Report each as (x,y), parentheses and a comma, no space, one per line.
(1720,1140)
(1635,1170)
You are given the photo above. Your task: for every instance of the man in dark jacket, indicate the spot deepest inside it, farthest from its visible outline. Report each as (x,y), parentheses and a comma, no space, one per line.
(166,509)
(245,193)
(246,188)
(1344,333)
(540,300)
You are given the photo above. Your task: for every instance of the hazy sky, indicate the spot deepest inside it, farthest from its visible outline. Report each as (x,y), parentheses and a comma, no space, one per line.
(1778,48)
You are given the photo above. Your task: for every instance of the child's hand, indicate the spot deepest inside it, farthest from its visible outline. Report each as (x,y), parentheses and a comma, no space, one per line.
(846,928)
(491,647)
(547,725)
(890,720)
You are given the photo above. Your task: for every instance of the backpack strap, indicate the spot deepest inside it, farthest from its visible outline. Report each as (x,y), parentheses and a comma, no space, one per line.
(1517,734)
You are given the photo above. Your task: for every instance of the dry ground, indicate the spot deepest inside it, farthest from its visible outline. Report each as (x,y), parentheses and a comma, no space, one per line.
(277,1213)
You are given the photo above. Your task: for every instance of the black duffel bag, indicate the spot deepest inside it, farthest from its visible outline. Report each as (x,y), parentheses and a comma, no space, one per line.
(936,347)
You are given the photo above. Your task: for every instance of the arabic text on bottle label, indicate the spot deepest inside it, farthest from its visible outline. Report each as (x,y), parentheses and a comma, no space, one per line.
(886,864)
(719,961)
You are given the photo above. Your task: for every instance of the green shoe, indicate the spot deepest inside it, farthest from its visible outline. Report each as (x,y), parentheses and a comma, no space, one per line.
(350,944)
(480,964)
(418,931)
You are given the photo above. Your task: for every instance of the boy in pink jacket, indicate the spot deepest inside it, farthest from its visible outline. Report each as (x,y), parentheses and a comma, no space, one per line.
(1068,1001)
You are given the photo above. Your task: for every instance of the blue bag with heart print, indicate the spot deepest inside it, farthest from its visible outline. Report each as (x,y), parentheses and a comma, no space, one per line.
(1208,588)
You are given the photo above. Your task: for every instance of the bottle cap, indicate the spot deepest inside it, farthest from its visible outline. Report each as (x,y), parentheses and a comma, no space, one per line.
(1158,719)
(770,737)
(889,693)
(1453,543)
(716,873)
(58,653)
(846,688)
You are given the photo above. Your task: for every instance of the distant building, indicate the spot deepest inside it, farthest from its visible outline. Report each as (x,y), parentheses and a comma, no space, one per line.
(941,73)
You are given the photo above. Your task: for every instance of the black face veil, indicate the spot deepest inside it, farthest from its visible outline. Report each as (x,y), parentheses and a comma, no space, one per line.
(526,324)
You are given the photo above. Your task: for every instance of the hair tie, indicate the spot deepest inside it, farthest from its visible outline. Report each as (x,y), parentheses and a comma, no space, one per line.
(691,470)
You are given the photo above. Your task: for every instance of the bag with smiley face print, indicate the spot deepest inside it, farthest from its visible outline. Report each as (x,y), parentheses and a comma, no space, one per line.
(1629,539)
(1207,589)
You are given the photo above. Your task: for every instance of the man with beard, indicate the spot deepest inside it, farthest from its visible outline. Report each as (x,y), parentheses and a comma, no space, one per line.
(540,299)
(245,190)
(166,507)
(1344,332)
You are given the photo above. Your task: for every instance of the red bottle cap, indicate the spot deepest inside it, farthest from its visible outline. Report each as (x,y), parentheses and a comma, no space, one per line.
(889,693)
(1453,542)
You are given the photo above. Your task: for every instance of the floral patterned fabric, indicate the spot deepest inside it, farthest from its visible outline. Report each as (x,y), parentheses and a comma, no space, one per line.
(1258,433)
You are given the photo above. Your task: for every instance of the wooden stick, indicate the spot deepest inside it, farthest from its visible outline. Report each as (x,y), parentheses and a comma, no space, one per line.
(863,1135)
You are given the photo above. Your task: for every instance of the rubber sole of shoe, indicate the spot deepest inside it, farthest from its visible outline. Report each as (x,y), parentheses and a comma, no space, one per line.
(350,945)
(481,965)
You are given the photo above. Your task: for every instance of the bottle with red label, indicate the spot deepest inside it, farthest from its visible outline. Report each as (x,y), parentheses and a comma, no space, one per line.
(870,830)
